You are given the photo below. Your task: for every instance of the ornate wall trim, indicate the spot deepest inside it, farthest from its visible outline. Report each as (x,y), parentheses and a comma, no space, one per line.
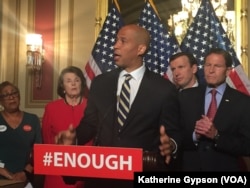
(244,35)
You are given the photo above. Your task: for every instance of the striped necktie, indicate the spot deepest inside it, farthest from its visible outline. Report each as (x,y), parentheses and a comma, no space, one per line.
(213,105)
(123,106)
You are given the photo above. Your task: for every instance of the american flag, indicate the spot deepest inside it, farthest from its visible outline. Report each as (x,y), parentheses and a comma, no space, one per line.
(206,32)
(162,45)
(101,59)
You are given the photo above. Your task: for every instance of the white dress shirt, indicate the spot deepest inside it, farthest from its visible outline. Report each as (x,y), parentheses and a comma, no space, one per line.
(134,82)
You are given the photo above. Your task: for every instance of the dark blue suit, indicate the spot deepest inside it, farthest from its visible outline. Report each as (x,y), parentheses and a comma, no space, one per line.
(232,120)
(155,104)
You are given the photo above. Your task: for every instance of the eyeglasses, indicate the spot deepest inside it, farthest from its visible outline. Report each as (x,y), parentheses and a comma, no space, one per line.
(8,95)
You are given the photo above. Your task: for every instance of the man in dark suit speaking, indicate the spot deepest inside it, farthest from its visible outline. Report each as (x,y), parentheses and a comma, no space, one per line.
(133,117)
(215,119)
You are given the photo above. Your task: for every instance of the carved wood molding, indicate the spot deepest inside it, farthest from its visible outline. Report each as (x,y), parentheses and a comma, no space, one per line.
(244,35)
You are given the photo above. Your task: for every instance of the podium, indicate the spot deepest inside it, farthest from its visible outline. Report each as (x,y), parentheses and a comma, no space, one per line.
(87,161)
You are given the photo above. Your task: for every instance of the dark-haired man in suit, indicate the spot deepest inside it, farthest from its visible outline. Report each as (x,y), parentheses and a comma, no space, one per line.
(184,68)
(215,137)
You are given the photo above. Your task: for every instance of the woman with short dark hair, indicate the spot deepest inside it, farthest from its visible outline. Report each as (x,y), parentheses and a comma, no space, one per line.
(19,131)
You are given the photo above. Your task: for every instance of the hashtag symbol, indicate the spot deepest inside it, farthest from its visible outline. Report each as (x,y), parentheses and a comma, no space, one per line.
(47,159)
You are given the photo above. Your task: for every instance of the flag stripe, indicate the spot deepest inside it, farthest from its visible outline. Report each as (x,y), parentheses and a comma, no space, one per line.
(239,79)
(206,32)
(101,59)
(91,70)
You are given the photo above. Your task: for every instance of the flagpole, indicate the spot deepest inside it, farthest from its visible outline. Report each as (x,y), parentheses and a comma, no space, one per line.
(117,5)
(154,7)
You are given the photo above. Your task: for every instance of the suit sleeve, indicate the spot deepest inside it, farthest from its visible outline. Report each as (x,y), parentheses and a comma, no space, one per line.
(87,128)
(171,115)
(237,140)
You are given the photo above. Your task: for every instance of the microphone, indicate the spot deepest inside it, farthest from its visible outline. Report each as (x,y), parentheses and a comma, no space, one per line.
(96,139)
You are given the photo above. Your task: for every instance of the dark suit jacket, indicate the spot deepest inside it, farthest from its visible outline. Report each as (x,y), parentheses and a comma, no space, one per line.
(233,123)
(156,103)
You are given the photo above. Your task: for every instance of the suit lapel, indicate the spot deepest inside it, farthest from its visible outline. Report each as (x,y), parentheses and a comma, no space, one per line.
(225,104)
(111,95)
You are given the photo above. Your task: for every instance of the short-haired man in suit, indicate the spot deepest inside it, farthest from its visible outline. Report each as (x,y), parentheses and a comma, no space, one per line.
(153,102)
(214,137)
(184,68)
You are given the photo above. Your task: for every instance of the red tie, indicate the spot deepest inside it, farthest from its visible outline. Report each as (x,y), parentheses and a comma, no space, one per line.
(213,105)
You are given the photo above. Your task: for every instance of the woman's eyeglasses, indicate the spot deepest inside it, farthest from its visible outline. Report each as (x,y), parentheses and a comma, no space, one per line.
(8,95)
